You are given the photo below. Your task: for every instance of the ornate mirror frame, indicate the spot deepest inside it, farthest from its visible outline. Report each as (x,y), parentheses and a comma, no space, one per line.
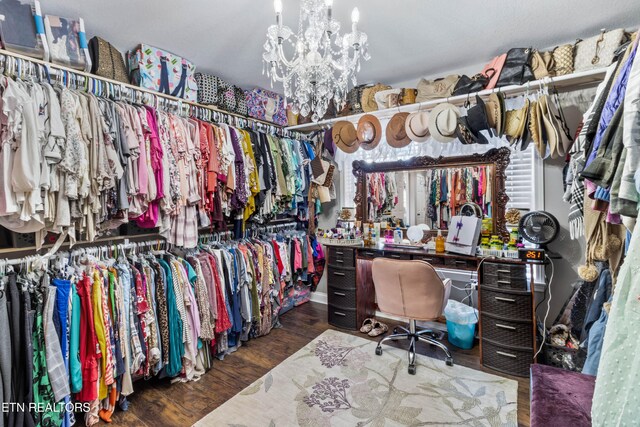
(500,157)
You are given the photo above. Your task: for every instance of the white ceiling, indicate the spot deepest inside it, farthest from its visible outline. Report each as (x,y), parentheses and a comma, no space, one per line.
(407,38)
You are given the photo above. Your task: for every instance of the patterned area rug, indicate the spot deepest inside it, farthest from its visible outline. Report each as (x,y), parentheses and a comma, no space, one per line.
(337,380)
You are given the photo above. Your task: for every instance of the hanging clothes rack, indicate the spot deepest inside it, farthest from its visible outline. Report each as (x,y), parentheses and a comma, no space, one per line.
(23,66)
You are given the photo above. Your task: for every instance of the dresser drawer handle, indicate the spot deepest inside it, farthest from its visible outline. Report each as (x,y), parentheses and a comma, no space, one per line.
(460,262)
(337,313)
(502,353)
(426,259)
(339,253)
(369,254)
(506,282)
(342,274)
(396,256)
(497,298)
(504,271)
(511,328)
(342,262)
(340,294)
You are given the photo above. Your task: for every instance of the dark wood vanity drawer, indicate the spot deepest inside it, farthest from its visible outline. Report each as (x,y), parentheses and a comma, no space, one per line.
(431,259)
(510,360)
(507,332)
(392,255)
(515,305)
(342,278)
(343,298)
(370,254)
(342,257)
(466,264)
(510,276)
(343,318)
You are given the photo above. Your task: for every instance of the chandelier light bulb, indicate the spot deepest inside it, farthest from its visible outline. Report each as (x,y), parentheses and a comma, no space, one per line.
(277,5)
(355,15)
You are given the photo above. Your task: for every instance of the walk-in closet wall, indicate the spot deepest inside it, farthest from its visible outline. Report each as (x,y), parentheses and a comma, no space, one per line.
(565,275)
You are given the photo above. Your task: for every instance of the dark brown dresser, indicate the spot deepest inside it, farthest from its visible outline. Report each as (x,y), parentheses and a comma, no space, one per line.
(349,299)
(507,318)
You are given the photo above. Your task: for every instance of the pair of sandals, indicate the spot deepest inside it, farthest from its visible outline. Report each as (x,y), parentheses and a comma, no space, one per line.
(373,327)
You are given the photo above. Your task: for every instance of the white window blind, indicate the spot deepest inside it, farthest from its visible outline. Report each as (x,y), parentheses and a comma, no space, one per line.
(521,179)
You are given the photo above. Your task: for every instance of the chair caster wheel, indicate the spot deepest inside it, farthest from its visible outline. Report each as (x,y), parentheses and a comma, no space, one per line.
(395,330)
(449,361)
(412,369)
(378,351)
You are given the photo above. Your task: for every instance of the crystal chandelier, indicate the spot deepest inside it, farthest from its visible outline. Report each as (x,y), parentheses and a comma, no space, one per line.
(324,61)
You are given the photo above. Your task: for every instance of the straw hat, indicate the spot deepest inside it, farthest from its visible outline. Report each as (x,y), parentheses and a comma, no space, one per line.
(345,136)
(417,126)
(496,113)
(396,133)
(443,121)
(368,100)
(369,131)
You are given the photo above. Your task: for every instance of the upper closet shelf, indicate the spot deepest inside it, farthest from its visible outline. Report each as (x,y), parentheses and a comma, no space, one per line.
(81,76)
(566,83)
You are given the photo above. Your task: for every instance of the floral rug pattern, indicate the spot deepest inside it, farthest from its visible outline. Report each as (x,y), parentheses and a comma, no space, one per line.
(337,380)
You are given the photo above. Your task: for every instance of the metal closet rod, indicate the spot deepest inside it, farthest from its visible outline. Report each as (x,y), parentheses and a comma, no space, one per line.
(87,248)
(137,89)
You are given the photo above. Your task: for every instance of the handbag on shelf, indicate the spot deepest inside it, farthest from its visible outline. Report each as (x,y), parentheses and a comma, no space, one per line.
(408,96)
(436,89)
(228,97)
(388,98)
(209,88)
(107,61)
(541,64)
(492,70)
(517,68)
(467,85)
(241,101)
(598,51)
(162,71)
(354,97)
(563,59)
(292,119)
(368,100)
(266,105)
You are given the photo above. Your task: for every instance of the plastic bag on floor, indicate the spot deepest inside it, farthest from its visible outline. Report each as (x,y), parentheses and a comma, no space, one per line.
(460,313)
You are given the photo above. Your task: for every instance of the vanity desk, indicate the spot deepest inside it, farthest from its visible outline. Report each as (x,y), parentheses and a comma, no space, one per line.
(505,298)
(505,288)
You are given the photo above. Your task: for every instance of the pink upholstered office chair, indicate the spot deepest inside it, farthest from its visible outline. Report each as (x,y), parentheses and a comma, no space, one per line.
(411,289)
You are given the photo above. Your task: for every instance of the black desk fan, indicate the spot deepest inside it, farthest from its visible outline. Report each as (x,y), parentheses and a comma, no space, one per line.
(539,228)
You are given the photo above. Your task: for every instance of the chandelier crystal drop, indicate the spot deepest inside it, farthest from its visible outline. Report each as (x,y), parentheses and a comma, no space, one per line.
(324,62)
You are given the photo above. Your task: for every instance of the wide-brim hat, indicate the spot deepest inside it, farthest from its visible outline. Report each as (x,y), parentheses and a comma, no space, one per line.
(477,120)
(464,133)
(329,145)
(368,100)
(443,121)
(496,113)
(396,133)
(369,131)
(417,126)
(345,137)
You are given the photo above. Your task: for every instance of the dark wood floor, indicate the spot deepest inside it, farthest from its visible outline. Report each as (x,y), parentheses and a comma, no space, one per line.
(158,403)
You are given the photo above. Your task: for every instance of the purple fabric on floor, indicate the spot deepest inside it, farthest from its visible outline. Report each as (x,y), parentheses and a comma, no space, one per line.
(560,398)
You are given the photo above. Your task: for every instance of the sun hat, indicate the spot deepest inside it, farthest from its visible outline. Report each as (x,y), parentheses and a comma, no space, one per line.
(396,133)
(345,136)
(417,126)
(369,131)
(443,121)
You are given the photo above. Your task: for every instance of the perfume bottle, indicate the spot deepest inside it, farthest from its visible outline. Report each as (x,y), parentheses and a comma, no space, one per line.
(440,240)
